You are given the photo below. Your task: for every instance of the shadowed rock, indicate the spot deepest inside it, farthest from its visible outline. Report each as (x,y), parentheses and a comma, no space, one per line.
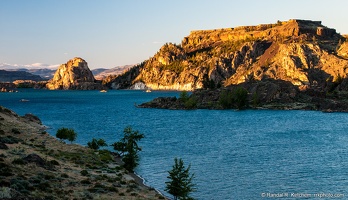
(34,158)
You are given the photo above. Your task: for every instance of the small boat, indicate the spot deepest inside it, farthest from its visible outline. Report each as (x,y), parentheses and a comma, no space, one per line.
(103,91)
(23,100)
(148,90)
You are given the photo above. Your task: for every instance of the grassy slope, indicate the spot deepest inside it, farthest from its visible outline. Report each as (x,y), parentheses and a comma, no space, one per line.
(58,175)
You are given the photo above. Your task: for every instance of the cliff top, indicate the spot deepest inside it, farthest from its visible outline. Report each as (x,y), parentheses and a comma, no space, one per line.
(262,27)
(293,27)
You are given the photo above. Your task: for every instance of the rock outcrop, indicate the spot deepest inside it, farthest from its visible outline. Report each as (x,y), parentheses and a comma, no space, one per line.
(302,52)
(74,75)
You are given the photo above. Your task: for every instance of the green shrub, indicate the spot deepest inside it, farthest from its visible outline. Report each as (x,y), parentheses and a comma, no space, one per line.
(134,194)
(48,176)
(256,100)
(20,185)
(240,96)
(191,103)
(64,175)
(184,96)
(175,66)
(86,182)
(236,98)
(226,99)
(66,134)
(112,189)
(54,162)
(15,131)
(5,170)
(96,143)
(105,155)
(84,172)
(44,186)
(19,161)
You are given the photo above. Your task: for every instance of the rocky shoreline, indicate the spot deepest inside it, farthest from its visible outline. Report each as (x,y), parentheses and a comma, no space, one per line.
(270,94)
(35,165)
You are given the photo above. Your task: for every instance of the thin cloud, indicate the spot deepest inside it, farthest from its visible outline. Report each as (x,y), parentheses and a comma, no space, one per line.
(7,66)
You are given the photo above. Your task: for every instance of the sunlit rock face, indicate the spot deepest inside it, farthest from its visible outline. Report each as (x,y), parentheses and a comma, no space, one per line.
(302,52)
(73,75)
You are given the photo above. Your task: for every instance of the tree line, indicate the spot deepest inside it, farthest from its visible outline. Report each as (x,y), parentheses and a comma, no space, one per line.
(180,180)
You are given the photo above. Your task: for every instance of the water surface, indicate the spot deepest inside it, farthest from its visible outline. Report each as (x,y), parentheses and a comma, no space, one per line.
(233,154)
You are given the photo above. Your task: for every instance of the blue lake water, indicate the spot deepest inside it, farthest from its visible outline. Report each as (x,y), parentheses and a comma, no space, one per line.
(233,154)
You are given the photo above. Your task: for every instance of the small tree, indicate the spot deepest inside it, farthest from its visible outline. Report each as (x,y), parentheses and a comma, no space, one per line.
(226,99)
(62,134)
(128,148)
(66,134)
(191,103)
(240,97)
(180,184)
(96,143)
(184,96)
(72,135)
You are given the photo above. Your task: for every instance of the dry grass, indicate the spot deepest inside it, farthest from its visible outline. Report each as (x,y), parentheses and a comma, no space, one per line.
(69,171)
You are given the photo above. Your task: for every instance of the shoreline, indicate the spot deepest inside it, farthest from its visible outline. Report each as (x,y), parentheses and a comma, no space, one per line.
(68,171)
(138,179)
(141,181)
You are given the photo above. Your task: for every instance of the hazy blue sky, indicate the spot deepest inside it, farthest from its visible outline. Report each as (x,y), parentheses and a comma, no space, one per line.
(109,33)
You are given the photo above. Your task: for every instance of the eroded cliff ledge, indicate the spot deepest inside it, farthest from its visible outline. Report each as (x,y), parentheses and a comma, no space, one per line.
(74,75)
(302,52)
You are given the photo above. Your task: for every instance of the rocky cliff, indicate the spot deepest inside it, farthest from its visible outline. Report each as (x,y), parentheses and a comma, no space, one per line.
(302,52)
(74,75)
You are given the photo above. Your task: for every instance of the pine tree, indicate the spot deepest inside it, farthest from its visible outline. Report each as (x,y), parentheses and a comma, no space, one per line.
(128,148)
(180,184)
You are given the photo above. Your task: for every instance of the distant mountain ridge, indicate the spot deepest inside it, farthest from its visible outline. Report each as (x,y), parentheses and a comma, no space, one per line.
(11,76)
(101,73)
(45,71)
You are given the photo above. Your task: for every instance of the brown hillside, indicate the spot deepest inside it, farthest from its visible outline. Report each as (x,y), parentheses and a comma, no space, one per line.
(303,52)
(35,165)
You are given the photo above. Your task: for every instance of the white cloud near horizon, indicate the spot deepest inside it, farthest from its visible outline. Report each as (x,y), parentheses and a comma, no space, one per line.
(8,66)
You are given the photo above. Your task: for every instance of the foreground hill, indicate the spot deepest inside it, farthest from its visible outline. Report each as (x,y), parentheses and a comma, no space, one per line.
(304,53)
(35,165)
